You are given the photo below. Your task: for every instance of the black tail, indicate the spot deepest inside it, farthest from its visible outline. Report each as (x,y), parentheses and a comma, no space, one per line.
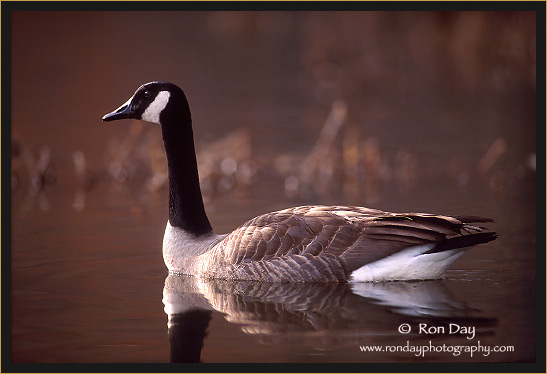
(470,219)
(463,241)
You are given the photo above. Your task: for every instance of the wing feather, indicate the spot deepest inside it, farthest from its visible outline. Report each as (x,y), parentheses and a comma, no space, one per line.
(314,243)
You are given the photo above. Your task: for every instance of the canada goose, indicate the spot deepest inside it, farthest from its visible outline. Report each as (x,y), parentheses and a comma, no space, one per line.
(301,244)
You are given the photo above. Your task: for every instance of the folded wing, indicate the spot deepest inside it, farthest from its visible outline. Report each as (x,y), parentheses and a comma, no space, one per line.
(318,243)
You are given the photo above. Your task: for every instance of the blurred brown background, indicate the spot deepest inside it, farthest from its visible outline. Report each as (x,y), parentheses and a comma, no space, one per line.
(426,94)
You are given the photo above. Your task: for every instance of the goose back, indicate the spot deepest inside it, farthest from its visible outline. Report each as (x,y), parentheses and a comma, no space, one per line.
(327,243)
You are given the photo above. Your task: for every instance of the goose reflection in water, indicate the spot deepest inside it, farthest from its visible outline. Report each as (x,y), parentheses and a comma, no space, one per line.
(360,312)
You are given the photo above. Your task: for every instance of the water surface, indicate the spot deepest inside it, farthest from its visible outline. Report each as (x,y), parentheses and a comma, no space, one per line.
(90,286)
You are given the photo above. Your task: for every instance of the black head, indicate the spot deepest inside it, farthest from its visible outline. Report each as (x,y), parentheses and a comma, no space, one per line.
(147,103)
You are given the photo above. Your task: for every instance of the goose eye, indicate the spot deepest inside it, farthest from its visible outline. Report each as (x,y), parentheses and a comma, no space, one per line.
(147,94)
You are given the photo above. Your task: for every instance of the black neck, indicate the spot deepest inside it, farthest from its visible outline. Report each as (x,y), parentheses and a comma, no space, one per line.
(186,210)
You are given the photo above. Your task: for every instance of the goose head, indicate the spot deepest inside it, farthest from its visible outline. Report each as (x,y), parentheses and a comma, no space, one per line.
(165,104)
(152,102)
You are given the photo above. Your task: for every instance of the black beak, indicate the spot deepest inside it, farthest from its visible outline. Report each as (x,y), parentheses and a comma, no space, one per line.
(122,112)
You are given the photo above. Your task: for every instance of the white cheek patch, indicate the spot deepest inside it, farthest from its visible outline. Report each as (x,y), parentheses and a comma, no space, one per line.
(152,113)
